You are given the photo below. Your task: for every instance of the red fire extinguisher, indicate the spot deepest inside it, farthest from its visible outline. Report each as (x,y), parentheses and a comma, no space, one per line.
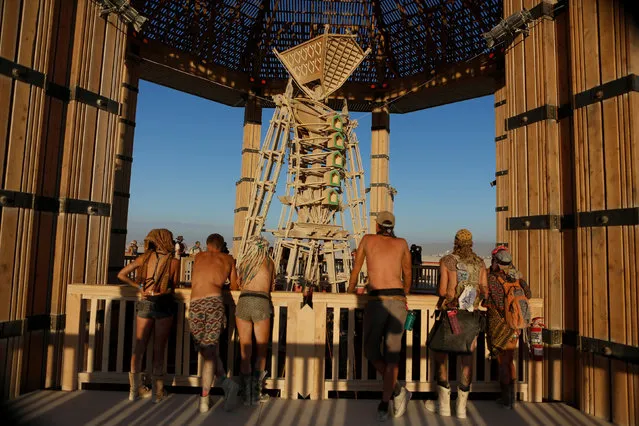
(536,340)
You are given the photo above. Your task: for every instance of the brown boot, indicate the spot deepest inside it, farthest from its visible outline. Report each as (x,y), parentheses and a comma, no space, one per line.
(158,389)
(136,388)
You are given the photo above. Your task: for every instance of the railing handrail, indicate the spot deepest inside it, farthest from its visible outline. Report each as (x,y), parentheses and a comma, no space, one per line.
(98,317)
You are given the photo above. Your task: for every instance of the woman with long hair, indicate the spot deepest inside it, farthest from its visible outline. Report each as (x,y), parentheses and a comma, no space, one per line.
(158,274)
(462,285)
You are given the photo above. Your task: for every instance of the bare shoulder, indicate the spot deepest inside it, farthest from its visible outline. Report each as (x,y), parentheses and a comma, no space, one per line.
(449,261)
(402,241)
(229,259)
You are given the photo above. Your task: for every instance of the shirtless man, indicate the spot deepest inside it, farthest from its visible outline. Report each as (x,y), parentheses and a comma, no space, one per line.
(253,314)
(389,272)
(207,316)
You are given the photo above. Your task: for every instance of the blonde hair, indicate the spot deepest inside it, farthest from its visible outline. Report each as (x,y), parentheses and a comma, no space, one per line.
(252,259)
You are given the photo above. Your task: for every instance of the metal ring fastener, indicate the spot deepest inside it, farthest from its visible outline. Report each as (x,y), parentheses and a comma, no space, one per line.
(92,210)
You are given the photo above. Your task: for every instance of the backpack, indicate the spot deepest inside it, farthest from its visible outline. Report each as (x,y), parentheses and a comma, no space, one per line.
(517,310)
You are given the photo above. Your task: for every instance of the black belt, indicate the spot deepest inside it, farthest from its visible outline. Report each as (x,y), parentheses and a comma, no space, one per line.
(387,292)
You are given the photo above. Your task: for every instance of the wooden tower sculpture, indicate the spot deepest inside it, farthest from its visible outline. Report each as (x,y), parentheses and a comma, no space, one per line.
(325,178)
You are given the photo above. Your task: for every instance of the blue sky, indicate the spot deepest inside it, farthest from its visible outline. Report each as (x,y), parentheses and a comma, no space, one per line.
(187,160)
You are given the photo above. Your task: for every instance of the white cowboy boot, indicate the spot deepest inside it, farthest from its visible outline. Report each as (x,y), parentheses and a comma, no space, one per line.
(462,399)
(442,406)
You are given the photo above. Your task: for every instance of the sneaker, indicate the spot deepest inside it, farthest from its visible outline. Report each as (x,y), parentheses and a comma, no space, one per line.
(204,404)
(383,414)
(231,391)
(400,402)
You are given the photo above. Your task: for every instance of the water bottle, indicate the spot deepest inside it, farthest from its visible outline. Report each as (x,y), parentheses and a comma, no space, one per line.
(410,321)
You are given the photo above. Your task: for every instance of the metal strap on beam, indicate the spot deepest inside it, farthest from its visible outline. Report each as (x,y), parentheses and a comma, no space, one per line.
(131,87)
(21,73)
(127,122)
(605,348)
(501,138)
(548,221)
(119,231)
(500,103)
(544,112)
(240,209)
(36,78)
(26,200)
(501,209)
(501,173)
(90,98)
(380,184)
(384,156)
(124,157)
(244,179)
(611,89)
(251,150)
(19,327)
(237,238)
(121,194)
(613,217)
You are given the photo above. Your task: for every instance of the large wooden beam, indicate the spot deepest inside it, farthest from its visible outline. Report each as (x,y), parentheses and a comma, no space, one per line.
(381,198)
(250,160)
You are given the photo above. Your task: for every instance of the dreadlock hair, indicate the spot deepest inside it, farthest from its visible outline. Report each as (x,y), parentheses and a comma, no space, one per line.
(464,250)
(252,259)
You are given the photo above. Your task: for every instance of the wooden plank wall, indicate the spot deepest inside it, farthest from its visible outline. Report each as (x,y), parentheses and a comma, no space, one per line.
(604,46)
(539,154)
(90,142)
(123,161)
(25,234)
(250,162)
(380,198)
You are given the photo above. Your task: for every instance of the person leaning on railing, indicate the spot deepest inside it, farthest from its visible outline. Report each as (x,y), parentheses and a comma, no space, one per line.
(462,285)
(156,281)
(389,270)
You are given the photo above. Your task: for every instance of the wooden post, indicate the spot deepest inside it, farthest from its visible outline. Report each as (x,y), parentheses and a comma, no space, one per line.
(30,135)
(604,47)
(250,160)
(87,163)
(380,189)
(123,161)
(536,164)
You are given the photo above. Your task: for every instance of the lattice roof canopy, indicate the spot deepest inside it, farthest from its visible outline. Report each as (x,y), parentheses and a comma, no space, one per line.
(406,37)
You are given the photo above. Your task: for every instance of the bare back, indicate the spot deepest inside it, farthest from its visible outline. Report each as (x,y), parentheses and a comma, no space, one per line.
(387,259)
(210,271)
(263,280)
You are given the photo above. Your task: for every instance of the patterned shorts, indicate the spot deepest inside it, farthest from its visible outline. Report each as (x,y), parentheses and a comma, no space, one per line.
(207,319)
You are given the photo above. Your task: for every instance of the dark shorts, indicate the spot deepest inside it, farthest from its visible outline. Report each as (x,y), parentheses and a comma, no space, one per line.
(156,307)
(384,323)
(254,306)
(207,319)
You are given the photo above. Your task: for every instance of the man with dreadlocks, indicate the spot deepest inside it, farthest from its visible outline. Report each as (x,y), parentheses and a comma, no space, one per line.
(253,314)
(207,316)
(156,280)
(389,270)
(462,284)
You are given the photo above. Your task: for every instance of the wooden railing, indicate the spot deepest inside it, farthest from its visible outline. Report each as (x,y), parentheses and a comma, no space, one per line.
(314,351)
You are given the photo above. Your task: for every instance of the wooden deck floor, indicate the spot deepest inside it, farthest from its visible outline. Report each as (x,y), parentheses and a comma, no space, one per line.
(101,408)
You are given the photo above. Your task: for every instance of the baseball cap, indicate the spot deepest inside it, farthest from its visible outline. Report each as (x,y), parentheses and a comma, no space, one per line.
(385,219)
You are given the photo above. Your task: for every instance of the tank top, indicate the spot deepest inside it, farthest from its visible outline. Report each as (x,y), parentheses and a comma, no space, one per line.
(467,291)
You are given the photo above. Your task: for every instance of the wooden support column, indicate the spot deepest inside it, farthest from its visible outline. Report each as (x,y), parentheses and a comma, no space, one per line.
(540,185)
(28,150)
(123,161)
(380,189)
(87,166)
(502,163)
(250,161)
(604,56)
